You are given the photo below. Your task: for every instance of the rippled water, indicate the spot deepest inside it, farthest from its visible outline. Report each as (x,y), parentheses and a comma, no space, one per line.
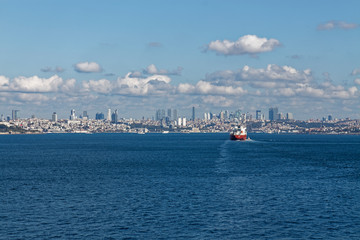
(185,186)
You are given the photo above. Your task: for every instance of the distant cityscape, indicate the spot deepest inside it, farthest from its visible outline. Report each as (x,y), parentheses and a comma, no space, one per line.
(166,121)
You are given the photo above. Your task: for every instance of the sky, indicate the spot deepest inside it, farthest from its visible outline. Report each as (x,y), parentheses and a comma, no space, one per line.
(139,56)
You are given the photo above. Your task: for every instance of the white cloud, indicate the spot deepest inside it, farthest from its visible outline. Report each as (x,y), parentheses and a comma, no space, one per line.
(87,67)
(100,86)
(206,88)
(153,70)
(4,83)
(129,85)
(337,25)
(217,101)
(275,72)
(55,70)
(34,98)
(142,86)
(36,84)
(248,44)
(357,81)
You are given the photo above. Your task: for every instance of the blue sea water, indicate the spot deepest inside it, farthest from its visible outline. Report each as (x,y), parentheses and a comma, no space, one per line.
(179,186)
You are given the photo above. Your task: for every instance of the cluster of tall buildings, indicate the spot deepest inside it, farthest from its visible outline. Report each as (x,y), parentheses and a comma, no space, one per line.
(275,115)
(170,116)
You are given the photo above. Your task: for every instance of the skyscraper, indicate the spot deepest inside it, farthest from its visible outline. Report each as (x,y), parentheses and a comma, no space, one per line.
(273,113)
(72,114)
(193,114)
(258,114)
(175,116)
(54,117)
(169,113)
(289,116)
(99,116)
(15,115)
(108,115)
(85,116)
(114,116)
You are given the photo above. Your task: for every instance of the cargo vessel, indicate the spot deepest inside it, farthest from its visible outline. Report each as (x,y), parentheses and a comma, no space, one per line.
(238,133)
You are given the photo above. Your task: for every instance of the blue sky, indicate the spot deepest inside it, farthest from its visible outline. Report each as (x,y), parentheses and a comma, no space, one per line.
(137,56)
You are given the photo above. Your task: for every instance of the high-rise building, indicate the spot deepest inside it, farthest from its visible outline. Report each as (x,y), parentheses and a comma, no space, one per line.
(258,114)
(108,117)
(15,114)
(289,116)
(273,113)
(184,122)
(160,114)
(193,114)
(72,114)
(54,117)
(175,116)
(85,115)
(169,113)
(179,121)
(99,116)
(330,118)
(114,116)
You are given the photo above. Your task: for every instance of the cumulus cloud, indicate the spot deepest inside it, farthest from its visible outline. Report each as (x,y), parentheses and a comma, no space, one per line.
(129,85)
(272,81)
(356,81)
(217,101)
(248,44)
(275,72)
(87,67)
(271,76)
(53,70)
(36,84)
(152,70)
(206,88)
(336,25)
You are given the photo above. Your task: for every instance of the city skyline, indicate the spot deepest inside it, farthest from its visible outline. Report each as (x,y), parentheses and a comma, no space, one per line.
(140,56)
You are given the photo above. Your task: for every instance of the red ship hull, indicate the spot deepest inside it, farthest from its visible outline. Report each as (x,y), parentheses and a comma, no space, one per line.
(238,137)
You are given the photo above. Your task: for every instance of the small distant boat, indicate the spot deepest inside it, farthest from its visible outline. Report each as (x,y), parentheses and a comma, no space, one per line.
(238,133)
(164,132)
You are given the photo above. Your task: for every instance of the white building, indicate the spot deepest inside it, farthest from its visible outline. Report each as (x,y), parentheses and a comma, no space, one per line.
(108,115)
(179,121)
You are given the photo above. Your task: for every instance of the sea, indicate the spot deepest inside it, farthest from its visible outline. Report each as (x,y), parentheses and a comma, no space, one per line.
(179,186)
